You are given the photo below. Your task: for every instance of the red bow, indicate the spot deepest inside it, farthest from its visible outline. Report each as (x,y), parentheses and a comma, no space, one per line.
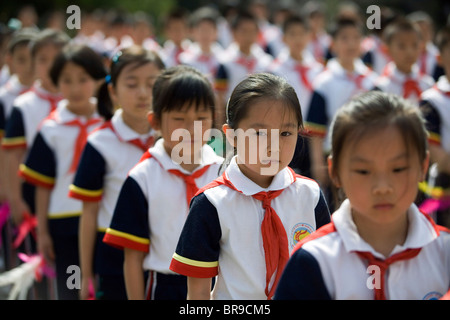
(189,180)
(275,241)
(49,97)
(27,226)
(81,139)
(384,265)
(248,63)
(411,86)
(302,71)
(143,146)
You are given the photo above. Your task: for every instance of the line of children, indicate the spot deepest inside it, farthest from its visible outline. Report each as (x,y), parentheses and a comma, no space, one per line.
(242,226)
(345,76)
(434,105)
(320,92)
(154,200)
(54,155)
(402,75)
(110,153)
(379,245)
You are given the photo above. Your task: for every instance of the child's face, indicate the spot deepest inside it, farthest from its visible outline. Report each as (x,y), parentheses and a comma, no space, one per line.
(205,32)
(176,30)
(21,63)
(346,44)
(379,177)
(188,127)
(246,33)
(133,90)
(404,49)
(296,38)
(444,58)
(77,86)
(43,61)
(265,140)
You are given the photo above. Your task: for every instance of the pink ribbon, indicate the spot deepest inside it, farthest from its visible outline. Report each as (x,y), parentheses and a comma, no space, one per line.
(431,205)
(4,215)
(42,269)
(28,225)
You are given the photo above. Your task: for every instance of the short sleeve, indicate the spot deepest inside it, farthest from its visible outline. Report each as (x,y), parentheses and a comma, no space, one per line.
(432,122)
(40,166)
(302,279)
(129,225)
(88,181)
(322,212)
(317,119)
(14,136)
(221,79)
(198,248)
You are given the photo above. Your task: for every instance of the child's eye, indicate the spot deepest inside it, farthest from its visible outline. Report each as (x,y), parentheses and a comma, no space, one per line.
(362,172)
(131,85)
(261,132)
(400,169)
(286,134)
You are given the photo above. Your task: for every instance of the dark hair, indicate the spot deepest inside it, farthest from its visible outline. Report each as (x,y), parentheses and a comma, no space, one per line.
(204,14)
(398,26)
(295,20)
(257,87)
(376,110)
(443,38)
(134,55)
(90,61)
(179,14)
(241,17)
(49,37)
(343,23)
(181,85)
(261,86)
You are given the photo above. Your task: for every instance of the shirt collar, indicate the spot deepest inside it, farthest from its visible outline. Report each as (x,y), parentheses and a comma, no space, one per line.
(158,151)
(64,115)
(281,180)
(335,67)
(124,132)
(443,84)
(420,231)
(401,77)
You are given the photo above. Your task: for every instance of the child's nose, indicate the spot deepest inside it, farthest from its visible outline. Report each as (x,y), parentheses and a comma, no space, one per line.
(382,185)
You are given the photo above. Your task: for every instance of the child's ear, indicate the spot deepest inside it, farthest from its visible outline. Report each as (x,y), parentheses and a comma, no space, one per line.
(439,59)
(229,134)
(425,165)
(152,119)
(331,172)
(112,92)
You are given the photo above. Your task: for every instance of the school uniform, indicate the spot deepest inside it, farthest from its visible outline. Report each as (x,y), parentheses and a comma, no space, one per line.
(205,63)
(375,53)
(300,75)
(336,263)
(434,106)
(409,86)
(28,111)
(235,67)
(332,89)
(10,91)
(151,210)
(319,47)
(227,233)
(110,153)
(170,53)
(51,163)
(428,61)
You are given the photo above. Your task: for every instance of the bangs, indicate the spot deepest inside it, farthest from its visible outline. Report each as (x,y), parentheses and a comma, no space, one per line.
(181,90)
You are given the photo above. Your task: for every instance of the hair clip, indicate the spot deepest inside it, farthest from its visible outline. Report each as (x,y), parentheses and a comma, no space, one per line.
(226,111)
(116,56)
(108,79)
